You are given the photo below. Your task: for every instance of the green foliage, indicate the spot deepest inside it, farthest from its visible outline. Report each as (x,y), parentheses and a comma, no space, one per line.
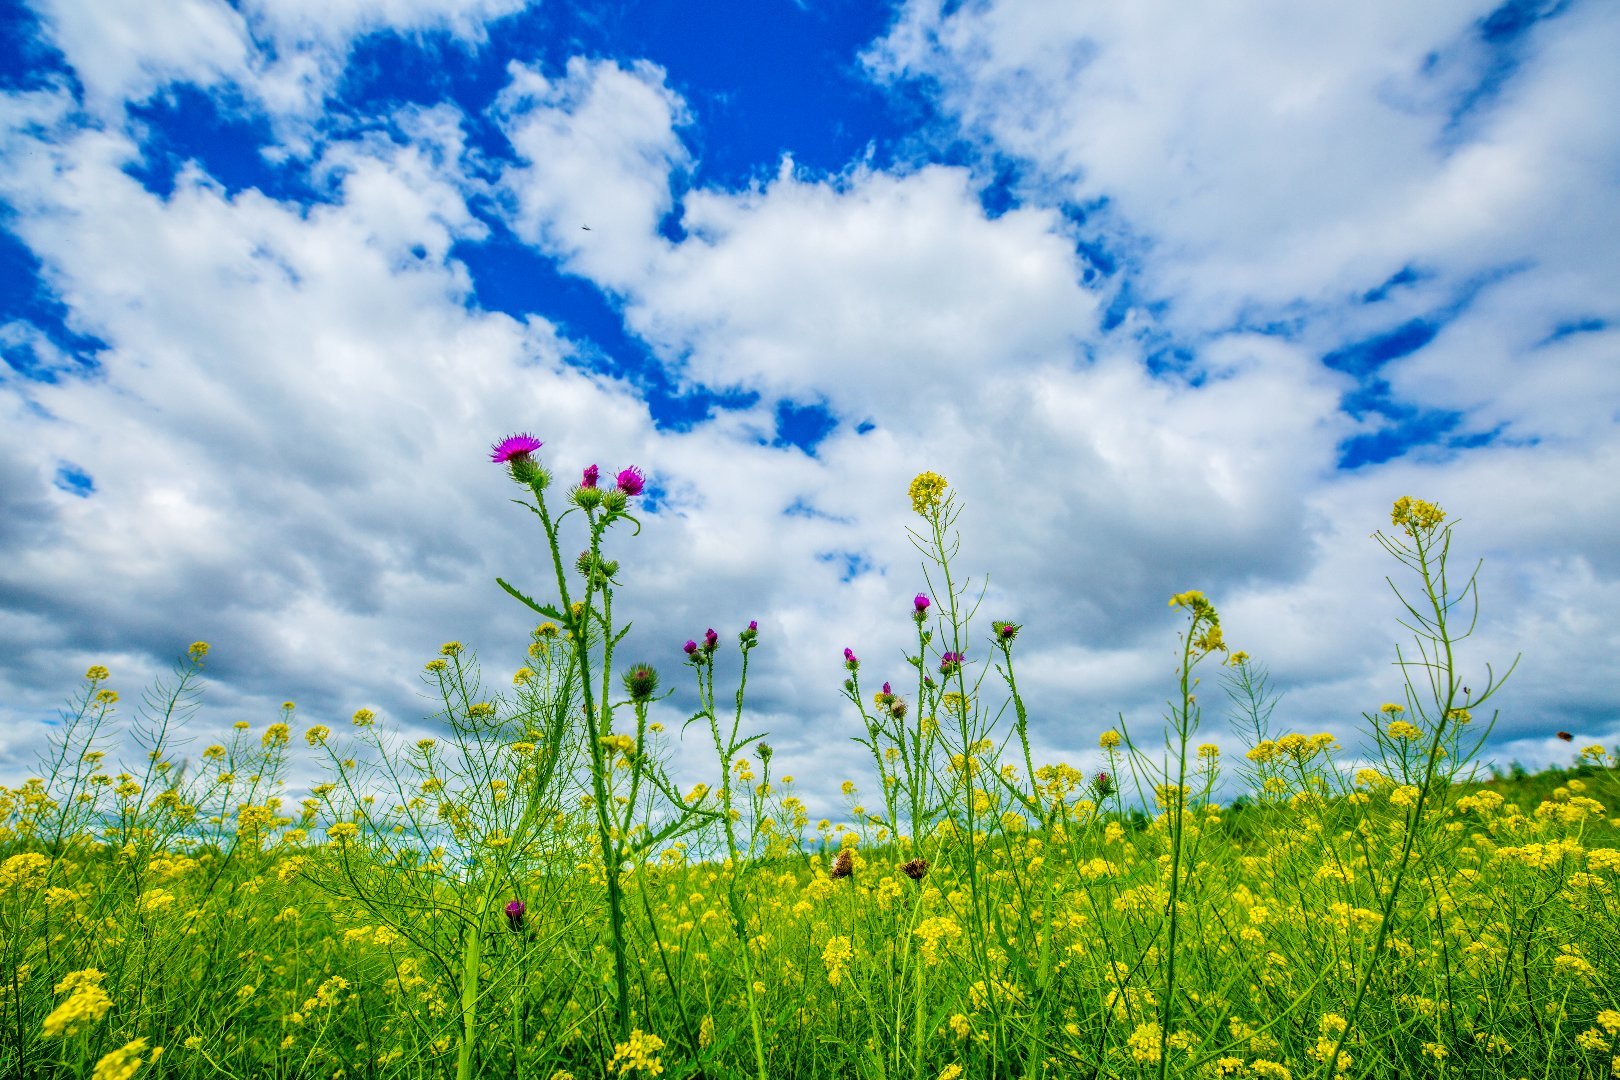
(526,894)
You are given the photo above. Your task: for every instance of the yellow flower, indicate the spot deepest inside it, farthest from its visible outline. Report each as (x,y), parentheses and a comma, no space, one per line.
(316,735)
(450,648)
(1415,515)
(198,650)
(87,1003)
(1402,729)
(275,734)
(343,830)
(122,1063)
(639,1052)
(927,492)
(97,673)
(950,1072)
(1109,739)
(836,957)
(1391,708)
(363,718)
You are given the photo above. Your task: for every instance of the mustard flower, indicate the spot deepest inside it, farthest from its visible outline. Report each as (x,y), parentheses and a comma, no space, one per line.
(927,492)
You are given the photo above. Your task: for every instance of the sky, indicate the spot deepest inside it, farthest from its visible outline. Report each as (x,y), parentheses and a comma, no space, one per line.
(1177,298)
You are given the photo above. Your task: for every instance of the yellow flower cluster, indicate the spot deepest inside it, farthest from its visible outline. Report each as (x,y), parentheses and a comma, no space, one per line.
(836,957)
(123,1063)
(638,1053)
(1415,515)
(927,492)
(87,1003)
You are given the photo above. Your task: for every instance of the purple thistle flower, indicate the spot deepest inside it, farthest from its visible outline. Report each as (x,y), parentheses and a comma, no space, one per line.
(631,481)
(514,915)
(850,660)
(888,691)
(520,445)
(711,640)
(753,626)
(920,602)
(592,475)
(949,662)
(690,647)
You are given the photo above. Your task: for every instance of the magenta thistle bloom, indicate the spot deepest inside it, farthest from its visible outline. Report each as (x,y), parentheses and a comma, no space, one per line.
(631,481)
(850,660)
(592,475)
(888,691)
(920,602)
(949,662)
(753,626)
(690,647)
(711,640)
(520,445)
(514,915)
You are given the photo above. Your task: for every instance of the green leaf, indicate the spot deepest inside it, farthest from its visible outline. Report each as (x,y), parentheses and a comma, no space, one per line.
(544,609)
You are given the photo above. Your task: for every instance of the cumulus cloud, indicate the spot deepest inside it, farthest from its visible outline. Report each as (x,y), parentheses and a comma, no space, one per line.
(284,435)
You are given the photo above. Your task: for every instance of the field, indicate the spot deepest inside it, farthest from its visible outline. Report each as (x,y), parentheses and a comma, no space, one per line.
(530,896)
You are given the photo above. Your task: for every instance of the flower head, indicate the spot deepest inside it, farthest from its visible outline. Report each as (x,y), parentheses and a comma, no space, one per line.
(950,663)
(591,476)
(520,445)
(711,640)
(630,481)
(641,681)
(843,866)
(927,492)
(851,661)
(690,647)
(1005,631)
(514,915)
(919,604)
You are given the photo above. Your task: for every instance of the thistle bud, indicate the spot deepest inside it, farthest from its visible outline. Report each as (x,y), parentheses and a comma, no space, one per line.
(641,681)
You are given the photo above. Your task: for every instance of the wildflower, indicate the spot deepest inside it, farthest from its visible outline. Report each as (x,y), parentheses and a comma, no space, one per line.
(836,957)
(514,913)
(363,718)
(1389,708)
(1402,729)
(950,663)
(591,476)
(927,492)
(843,866)
(1109,739)
(106,697)
(275,734)
(1103,785)
(640,1051)
(342,831)
(711,640)
(316,736)
(630,481)
(1415,515)
(480,710)
(641,681)
(950,1072)
(850,660)
(916,869)
(690,648)
(1005,631)
(750,635)
(523,676)
(514,447)
(86,1004)
(122,1063)
(1237,659)
(97,673)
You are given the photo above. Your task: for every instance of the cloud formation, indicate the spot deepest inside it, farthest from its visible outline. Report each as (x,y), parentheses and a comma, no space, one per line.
(1221,306)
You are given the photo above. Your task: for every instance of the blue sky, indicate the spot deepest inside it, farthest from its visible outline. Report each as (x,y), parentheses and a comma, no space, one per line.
(1175,300)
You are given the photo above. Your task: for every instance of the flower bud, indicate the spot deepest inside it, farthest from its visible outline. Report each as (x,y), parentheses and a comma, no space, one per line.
(514,915)
(850,660)
(641,681)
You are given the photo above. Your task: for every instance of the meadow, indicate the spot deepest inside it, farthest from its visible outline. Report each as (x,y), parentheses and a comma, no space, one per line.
(529,894)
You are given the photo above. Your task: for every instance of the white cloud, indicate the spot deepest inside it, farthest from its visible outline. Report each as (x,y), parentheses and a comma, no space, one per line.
(597,149)
(286,431)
